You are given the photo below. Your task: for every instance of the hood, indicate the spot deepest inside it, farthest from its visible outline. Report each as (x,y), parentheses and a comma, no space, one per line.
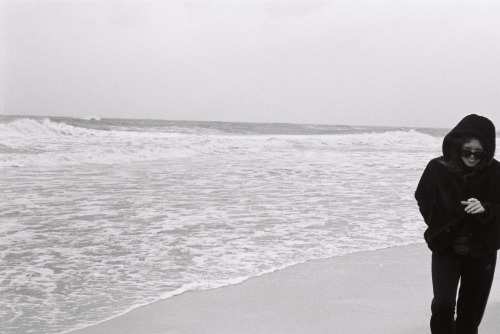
(476,126)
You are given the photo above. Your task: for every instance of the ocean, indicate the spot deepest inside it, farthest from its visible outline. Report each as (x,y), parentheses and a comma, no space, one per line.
(101,216)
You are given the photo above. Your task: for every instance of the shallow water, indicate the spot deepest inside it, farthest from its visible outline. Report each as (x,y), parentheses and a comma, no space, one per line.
(99,217)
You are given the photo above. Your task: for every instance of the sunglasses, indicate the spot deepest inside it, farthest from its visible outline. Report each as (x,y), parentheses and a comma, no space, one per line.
(468,153)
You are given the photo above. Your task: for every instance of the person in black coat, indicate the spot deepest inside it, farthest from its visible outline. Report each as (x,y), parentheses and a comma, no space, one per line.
(458,196)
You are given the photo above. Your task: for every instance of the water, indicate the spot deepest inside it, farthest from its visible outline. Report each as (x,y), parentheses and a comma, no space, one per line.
(99,216)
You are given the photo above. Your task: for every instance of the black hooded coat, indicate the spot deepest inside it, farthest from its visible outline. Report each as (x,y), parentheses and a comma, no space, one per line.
(442,187)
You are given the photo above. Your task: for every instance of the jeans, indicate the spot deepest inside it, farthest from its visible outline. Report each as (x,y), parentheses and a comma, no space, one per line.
(475,276)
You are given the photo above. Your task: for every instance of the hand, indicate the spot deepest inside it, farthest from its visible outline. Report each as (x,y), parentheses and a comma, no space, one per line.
(473,206)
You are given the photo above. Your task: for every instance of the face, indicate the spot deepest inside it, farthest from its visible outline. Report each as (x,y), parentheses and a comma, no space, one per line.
(472,145)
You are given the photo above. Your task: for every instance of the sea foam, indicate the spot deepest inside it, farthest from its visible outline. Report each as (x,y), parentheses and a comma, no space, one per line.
(28,142)
(100,217)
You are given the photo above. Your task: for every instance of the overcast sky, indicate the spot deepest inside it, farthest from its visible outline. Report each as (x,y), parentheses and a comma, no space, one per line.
(421,63)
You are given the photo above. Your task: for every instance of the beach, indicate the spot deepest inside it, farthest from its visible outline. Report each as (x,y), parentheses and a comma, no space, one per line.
(237,166)
(378,292)
(101,217)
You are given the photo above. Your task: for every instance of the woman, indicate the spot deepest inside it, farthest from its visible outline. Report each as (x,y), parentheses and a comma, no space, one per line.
(459,198)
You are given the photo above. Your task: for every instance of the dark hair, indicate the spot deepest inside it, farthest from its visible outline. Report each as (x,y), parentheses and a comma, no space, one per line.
(455,163)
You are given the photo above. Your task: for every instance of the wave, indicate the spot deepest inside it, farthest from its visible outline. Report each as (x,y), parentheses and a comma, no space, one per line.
(43,142)
(31,127)
(90,118)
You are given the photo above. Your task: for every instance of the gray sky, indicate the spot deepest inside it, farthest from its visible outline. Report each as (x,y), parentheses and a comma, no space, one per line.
(376,62)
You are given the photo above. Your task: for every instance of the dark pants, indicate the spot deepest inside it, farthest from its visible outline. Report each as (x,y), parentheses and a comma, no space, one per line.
(475,276)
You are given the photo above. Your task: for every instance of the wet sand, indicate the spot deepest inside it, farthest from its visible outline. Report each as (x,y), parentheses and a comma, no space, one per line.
(375,292)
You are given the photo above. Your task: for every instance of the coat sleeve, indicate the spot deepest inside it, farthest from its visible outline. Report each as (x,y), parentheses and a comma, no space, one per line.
(492,214)
(424,193)
(441,229)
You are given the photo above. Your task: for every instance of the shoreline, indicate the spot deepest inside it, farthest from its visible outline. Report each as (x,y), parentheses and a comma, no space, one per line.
(385,291)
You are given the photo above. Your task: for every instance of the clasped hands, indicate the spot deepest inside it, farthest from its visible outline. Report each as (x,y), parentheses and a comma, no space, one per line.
(473,206)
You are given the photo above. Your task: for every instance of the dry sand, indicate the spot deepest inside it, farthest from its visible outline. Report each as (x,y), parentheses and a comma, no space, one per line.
(376,292)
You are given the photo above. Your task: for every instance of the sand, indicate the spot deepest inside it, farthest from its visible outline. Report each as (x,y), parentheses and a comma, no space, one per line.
(375,292)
